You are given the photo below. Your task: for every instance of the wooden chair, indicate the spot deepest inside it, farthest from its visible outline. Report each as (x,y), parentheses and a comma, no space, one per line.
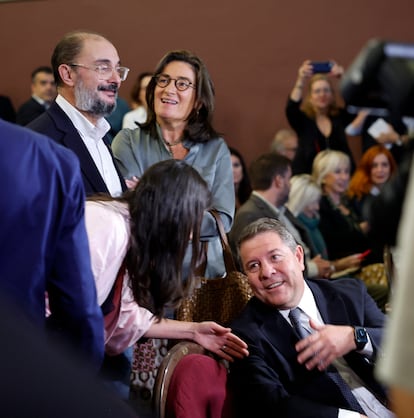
(389,266)
(191,383)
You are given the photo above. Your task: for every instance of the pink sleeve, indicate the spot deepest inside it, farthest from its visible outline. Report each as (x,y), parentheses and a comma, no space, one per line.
(133,322)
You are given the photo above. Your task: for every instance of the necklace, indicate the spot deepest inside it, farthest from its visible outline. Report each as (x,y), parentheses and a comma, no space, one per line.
(173,143)
(176,149)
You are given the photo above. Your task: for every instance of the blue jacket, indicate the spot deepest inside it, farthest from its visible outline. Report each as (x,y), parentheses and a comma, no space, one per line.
(44,246)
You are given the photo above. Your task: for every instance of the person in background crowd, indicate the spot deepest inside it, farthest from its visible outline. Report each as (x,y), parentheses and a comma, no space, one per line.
(392,134)
(285,142)
(303,202)
(317,119)
(138,114)
(375,168)
(117,116)
(7,111)
(242,187)
(43,88)
(344,232)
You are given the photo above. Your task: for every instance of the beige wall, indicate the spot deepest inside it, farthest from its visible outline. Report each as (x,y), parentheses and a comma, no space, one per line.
(252,48)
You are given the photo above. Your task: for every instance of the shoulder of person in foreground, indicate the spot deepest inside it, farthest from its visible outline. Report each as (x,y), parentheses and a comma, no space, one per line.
(60,384)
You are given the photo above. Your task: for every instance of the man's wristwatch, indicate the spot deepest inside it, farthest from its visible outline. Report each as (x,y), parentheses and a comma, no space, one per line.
(361,337)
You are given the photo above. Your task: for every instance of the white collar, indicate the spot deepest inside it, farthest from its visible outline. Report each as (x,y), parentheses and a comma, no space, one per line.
(307,304)
(81,123)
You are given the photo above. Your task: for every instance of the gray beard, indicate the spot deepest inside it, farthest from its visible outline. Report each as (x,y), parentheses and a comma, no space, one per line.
(89,101)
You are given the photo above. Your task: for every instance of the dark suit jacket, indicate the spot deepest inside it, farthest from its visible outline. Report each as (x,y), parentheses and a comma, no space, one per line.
(43,236)
(253,209)
(56,124)
(29,111)
(271,383)
(7,111)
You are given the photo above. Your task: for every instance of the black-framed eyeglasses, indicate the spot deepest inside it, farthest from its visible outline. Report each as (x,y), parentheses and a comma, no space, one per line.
(181,84)
(105,71)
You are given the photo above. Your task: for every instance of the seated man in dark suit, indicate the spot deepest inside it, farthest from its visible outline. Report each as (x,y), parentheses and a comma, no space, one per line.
(88,74)
(313,361)
(43,93)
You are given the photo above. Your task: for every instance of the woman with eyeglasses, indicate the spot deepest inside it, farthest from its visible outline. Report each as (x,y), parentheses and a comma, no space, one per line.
(316,117)
(180,99)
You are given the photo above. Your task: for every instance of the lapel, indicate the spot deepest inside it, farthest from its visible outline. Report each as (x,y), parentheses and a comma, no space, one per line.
(72,140)
(330,305)
(281,336)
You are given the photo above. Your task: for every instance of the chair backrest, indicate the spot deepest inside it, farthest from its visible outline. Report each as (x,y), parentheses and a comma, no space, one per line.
(389,266)
(190,384)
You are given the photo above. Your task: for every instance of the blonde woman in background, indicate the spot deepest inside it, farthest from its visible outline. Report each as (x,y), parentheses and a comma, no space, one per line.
(304,197)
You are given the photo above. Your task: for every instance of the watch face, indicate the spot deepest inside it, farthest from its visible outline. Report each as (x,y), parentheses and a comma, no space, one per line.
(361,334)
(361,337)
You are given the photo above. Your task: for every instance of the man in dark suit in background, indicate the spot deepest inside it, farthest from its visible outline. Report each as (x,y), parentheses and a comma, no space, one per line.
(88,74)
(43,93)
(270,178)
(7,111)
(314,361)
(44,246)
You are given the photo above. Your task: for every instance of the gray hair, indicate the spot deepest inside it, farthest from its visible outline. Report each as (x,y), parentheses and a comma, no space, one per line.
(68,49)
(278,143)
(267,225)
(303,191)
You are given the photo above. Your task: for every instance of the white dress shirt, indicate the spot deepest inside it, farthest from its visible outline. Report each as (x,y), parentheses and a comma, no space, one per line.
(369,403)
(92,138)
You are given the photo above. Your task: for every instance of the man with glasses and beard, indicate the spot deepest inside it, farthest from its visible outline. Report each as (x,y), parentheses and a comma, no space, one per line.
(88,74)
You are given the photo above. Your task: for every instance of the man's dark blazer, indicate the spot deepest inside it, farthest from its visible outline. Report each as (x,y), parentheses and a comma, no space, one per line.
(7,111)
(29,111)
(57,125)
(271,383)
(253,209)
